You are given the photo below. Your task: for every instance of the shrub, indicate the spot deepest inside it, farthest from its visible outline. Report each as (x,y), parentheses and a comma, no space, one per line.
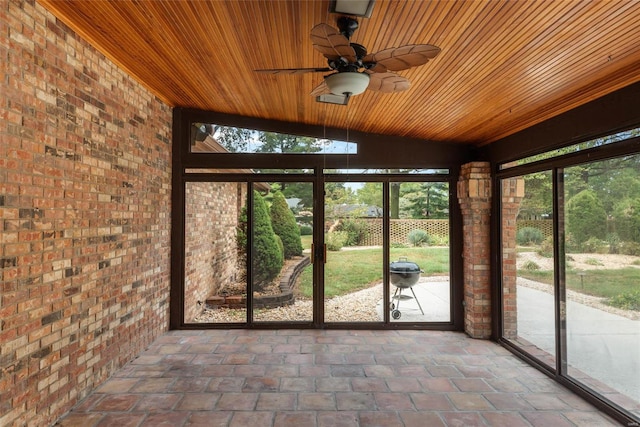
(335,240)
(241,232)
(530,266)
(546,248)
(284,225)
(528,236)
(280,244)
(439,240)
(585,216)
(630,248)
(626,301)
(593,245)
(356,231)
(398,245)
(267,256)
(306,230)
(418,237)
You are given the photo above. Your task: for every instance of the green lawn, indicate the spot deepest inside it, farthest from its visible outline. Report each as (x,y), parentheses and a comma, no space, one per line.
(348,271)
(601,283)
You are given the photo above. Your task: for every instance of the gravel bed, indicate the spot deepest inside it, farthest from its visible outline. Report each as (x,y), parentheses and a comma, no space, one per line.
(358,306)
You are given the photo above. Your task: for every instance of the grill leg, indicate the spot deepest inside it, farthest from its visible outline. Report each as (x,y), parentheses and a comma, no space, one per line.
(414,297)
(398,292)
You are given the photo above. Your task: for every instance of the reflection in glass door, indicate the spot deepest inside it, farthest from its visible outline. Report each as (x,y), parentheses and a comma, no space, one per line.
(353,235)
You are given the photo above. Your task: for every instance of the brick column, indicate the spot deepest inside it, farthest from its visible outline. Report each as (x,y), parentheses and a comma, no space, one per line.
(474,195)
(512,194)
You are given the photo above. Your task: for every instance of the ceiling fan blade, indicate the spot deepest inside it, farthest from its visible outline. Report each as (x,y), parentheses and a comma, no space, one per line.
(401,58)
(329,42)
(321,89)
(387,82)
(294,70)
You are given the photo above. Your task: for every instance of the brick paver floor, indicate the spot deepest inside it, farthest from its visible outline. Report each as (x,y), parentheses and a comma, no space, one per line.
(328,378)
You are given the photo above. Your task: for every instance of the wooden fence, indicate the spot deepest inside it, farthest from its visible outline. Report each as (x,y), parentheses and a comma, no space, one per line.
(400,228)
(544,225)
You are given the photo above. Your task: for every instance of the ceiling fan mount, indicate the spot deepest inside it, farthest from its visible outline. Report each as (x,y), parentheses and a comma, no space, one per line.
(347,26)
(361,70)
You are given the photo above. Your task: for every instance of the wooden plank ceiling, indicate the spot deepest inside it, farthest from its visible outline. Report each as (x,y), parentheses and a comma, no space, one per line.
(504,65)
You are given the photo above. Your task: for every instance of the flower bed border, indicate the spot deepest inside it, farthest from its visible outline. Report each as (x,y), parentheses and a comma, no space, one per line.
(285,297)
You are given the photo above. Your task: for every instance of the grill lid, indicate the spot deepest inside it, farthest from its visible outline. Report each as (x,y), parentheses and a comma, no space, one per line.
(404,266)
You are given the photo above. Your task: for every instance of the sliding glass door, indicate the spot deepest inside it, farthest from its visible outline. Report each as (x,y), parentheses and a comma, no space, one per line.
(265,249)
(570,245)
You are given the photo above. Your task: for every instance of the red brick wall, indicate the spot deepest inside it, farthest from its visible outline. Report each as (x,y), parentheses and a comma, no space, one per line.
(84,216)
(211,219)
(474,195)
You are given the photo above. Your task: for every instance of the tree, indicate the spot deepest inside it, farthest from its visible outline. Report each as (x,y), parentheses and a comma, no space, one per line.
(267,256)
(370,194)
(272,142)
(538,197)
(233,139)
(425,199)
(585,217)
(284,225)
(281,143)
(627,219)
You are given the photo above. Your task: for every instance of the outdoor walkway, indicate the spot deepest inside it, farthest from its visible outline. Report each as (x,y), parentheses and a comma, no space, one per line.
(330,378)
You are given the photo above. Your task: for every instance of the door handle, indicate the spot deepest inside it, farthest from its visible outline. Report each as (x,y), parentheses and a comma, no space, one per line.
(314,254)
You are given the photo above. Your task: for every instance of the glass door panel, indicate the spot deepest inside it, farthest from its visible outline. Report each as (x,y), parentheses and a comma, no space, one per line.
(281,272)
(528,272)
(353,234)
(419,283)
(601,202)
(215,286)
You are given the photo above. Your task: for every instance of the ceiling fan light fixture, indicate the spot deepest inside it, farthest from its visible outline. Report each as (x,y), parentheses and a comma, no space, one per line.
(349,82)
(352,7)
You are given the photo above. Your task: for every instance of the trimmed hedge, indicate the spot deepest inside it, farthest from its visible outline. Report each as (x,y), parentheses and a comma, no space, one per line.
(267,256)
(284,225)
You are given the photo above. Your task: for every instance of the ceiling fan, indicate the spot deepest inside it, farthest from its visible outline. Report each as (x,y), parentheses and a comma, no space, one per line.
(355,70)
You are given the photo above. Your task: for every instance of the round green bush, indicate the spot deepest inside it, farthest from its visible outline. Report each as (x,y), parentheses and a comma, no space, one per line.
(418,237)
(528,236)
(284,225)
(267,256)
(530,266)
(306,230)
